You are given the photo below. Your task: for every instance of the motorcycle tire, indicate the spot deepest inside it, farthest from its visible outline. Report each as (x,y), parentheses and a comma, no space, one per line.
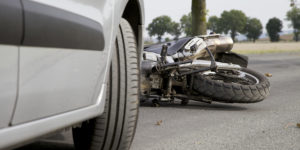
(233,92)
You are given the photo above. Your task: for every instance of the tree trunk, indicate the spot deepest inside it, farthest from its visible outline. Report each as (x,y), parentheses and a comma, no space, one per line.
(199,17)
(296,34)
(159,39)
(233,34)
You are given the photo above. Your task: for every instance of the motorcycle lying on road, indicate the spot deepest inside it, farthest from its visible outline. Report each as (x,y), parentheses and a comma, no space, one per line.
(201,68)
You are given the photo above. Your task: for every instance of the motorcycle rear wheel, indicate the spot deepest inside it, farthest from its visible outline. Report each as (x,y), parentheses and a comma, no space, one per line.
(248,87)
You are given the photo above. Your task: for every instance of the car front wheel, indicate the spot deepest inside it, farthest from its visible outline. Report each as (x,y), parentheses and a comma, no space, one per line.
(115,128)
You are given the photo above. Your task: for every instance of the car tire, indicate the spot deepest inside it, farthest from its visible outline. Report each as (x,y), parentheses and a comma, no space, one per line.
(115,128)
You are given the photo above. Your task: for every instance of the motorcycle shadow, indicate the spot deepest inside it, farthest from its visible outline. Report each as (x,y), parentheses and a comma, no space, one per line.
(195,105)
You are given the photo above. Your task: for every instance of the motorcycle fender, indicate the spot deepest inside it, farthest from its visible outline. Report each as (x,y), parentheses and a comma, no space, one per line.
(233,58)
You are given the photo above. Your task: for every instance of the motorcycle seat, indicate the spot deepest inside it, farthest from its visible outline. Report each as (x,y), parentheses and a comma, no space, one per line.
(173,46)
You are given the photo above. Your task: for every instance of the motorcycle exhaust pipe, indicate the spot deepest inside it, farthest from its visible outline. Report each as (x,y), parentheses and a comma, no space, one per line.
(220,43)
(207,64)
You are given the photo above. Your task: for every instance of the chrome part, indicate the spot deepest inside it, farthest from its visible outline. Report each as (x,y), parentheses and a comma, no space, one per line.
(216,44)
(169,59)
(164,99)
(195,41)
(221,44)
(150,56)
(210,36)
(206,63)
(155,57)
(244,75)
(209,73)
(188,53)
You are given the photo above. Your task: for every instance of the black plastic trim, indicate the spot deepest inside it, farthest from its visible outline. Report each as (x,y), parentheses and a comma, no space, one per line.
(47,26)
(10,22)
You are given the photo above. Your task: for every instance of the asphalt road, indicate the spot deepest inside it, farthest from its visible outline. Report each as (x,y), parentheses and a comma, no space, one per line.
(268,125)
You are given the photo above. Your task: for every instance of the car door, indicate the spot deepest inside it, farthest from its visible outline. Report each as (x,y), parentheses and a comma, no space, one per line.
(62,59)
(10,38)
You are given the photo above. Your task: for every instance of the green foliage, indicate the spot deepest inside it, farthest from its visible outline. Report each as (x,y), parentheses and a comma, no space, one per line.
(294,16)
(214,24)
(198,17)
(274,26)
(159,26)
(293,3)
(186,24)
(176,30)
(253,29)
(167,39)
(233,21)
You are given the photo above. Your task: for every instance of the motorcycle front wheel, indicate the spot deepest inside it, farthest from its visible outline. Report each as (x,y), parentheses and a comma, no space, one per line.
(228,86)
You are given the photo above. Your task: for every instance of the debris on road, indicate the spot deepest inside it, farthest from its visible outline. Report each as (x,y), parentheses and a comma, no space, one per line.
(198,143)
(268,75)
(292,124)
(158,123)
(289,124)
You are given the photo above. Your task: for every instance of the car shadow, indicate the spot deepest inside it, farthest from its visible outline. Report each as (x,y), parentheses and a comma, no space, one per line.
(53,142)
(197,105)
(47,145)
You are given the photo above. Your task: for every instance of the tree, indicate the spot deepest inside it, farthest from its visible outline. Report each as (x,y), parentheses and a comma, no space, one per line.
(159,26)
(214,24)
(274,26)
(167,39)
(186,24)
(294,16)
(253,29)
(198,17)
(176,30)
(233,21)
(294,3)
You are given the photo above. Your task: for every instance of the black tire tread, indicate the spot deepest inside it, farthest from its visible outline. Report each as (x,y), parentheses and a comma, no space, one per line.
(233,92)
(115,128)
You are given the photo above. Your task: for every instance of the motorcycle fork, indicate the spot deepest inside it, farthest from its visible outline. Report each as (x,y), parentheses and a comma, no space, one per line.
(167,85)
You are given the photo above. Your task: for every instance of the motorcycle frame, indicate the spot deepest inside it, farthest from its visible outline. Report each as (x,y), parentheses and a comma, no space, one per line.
(167,69)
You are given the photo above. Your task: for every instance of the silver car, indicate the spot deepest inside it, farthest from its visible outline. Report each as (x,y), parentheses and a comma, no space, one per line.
(70,63)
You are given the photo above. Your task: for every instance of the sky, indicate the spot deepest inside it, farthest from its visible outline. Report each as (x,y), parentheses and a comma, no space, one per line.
(261,9)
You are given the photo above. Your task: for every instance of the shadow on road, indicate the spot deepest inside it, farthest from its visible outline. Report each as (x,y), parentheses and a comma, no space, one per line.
(198,105)
(45,145)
